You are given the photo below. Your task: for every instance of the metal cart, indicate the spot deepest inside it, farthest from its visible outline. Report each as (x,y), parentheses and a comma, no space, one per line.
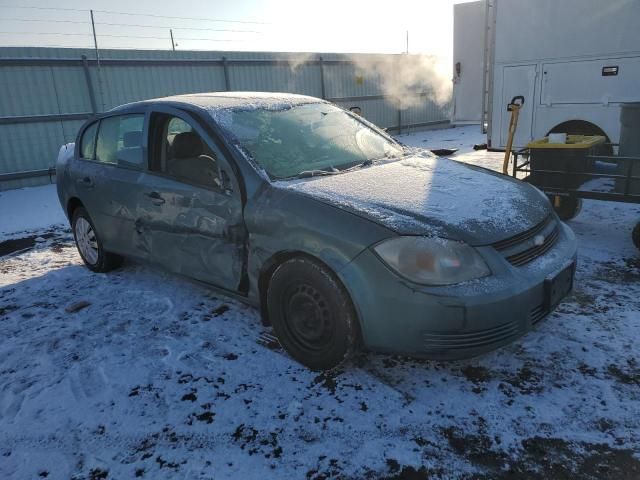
(583,167)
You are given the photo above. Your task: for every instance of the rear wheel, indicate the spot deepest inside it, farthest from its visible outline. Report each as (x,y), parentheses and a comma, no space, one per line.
(312,314)
(635,235)
(89,245)
(566,207)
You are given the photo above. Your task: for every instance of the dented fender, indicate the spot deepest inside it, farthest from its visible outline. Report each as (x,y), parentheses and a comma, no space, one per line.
(284,222)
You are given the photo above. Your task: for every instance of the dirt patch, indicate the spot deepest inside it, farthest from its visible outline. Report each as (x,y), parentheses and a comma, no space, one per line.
(478,448)
(628,376)
(98,474)
(216,312)
(476,374)
(4,310)
(527,380)
(586,370)
(588,303)
(405,472)
(543,458)
(25,243)
(16,245)
(328,380)
(76,307)
(626,270)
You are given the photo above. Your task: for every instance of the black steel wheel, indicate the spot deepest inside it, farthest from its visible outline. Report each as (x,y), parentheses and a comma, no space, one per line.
(566,207)
(89,245)
(635,235)
(312,314)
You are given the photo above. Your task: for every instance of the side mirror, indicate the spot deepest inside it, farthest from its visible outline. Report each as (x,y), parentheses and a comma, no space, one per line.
(356,110)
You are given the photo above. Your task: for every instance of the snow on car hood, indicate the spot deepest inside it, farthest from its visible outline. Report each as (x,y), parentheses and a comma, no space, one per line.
(433,196)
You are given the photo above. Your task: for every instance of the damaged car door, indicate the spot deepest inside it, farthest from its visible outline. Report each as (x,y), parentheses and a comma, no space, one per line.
(111,158)
(190,210)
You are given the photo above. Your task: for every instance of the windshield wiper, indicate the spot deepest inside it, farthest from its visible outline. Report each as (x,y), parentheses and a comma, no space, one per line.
(317,172)
(370,161)
(333,171)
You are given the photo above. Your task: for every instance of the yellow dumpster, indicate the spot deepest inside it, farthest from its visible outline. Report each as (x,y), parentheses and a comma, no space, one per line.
(563,165)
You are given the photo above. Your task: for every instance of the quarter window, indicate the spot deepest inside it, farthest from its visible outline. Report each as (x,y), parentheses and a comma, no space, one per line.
(88,142)
(120,140)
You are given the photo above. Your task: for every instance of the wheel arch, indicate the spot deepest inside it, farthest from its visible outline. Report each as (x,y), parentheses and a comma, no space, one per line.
(277,259)
(72,204)
(579,127)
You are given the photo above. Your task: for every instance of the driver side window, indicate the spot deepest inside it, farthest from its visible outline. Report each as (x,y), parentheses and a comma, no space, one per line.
(180,152)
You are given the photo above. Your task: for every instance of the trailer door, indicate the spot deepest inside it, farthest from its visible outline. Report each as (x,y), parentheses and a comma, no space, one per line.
(468,56)
(518,80)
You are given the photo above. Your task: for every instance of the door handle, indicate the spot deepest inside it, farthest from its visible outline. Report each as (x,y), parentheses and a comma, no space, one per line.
(85,182)
(156,198)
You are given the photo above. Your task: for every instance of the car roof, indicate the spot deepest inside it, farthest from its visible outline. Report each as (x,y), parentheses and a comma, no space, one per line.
(227,100)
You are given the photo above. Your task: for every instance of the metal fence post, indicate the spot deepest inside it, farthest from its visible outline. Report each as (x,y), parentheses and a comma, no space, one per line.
(322,85)
(225,66)
(87,76)
(399,120)
(95,44)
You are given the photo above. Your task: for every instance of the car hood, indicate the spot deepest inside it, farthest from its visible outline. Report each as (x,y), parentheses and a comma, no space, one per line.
(422,195)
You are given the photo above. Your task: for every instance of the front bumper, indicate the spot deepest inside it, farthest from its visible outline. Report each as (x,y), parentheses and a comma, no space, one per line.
(455,321)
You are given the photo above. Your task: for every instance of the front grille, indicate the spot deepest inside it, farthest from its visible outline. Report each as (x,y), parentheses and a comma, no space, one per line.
(532,253)
(524,236)
(521,249)
(480,338)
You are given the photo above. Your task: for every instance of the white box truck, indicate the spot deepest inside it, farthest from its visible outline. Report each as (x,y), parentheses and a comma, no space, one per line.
(574,61)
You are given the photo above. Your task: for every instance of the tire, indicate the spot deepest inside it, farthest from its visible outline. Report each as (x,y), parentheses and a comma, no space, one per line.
(312,314)
(635,235)
(89,245)
(569,206)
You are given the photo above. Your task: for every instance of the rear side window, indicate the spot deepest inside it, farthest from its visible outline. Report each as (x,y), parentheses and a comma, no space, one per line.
(120,140)
(88,142)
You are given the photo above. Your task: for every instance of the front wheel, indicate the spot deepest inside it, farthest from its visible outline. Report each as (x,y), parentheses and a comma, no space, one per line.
(566,207)
(89,245)
(312,314)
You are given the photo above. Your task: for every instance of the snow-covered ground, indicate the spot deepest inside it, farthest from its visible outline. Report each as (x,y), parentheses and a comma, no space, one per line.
(29,209)
(139,373)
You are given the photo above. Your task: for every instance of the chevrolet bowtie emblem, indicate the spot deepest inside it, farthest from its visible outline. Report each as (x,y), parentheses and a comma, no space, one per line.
(538,240)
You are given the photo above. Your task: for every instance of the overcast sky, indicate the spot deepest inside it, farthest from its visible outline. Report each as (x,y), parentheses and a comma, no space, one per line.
(281,25)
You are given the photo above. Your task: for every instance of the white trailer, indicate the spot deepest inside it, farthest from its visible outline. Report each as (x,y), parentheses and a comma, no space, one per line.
(574,61)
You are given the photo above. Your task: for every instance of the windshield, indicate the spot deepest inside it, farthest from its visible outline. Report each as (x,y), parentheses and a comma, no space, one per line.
(304,138)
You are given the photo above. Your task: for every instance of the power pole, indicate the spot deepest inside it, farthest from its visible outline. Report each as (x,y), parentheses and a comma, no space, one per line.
(95,44)
(407,42)
(173,44)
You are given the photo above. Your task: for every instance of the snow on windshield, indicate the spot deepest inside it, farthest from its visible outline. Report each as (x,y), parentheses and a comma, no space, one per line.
(313,136)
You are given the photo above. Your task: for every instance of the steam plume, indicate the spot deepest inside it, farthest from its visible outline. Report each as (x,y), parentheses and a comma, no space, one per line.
(402,76)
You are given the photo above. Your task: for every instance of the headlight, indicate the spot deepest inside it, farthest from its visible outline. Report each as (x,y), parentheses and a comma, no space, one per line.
(432,261)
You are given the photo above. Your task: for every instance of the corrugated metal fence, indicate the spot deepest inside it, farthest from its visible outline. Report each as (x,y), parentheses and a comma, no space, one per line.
(47,93)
